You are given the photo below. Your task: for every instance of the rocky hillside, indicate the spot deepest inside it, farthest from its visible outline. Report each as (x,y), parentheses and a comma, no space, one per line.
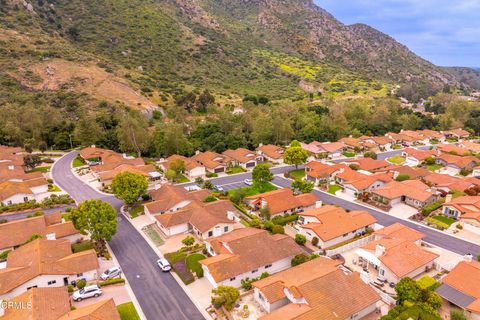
(468,76)
(278,48)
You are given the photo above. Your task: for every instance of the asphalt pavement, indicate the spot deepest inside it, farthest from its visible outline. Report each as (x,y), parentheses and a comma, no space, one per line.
(158,294)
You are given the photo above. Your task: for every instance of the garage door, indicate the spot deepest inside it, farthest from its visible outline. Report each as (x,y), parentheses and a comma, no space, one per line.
(218,170)
(250,164)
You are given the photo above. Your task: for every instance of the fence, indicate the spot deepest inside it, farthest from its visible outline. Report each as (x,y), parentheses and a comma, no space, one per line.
(349,246)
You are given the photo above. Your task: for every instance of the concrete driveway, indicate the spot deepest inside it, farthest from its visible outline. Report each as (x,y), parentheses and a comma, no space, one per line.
(403,211)
(117,292)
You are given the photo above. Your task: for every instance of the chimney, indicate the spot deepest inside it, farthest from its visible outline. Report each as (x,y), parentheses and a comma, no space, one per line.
(124,155)
(448,198)
(260,145)
(11,167)
(379,250)
(197,152)
(318,204)
(50,236)
(230,215)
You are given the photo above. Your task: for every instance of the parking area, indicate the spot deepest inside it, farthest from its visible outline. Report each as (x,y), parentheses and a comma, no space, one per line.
(118,292)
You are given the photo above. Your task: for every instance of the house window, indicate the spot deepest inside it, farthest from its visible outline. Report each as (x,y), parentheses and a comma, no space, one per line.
(51,282)
(268,266)
(79,275)
(260,296)
(25,199)
(232,279)
(210,233)
(346,234)
(225,229)
(254,270)
(381,272)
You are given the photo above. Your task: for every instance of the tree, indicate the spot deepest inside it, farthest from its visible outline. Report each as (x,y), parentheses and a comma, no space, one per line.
(295,143)
(299,259)
(170,139)
(42,146)
(178,166)
(300,239)
(402,177)
(457,314)
(188,241)
(370,154)
(429,161)
(81,284)
(97,218)
(303,186)
(261,174)
(129,186)
(407,290)
(225,296)
(31,160)
(295,156)
(278,229)
(133,133)
(87,131)
(171,175)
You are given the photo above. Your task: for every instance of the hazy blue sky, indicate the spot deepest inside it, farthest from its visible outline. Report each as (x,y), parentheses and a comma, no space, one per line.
(446,32)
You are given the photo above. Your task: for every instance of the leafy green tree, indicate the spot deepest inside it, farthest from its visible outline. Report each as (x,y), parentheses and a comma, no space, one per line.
(300,239)
(133,133)
(96,218)
(87,131)
(299,259)
(225,296)
(170,139)
(370,154)
(178,166)
(278,229)
(261,174)
(407,290)
(295,156)
(31,160)
(303,186)
(171,175)
(457,314)
(295,143)
(129,186)
(188,241)
(402,177)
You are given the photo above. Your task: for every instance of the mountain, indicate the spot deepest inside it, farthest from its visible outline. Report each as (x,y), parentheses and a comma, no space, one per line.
(468,76)
(146,50)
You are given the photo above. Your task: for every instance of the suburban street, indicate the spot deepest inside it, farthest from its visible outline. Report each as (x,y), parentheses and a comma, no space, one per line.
(159,295)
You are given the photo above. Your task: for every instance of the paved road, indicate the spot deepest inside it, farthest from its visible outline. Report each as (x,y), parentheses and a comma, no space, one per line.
(434,237)
(23,215)
(159,295)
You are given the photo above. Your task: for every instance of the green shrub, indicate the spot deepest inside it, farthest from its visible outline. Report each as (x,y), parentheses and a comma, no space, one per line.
(459,226)
(111,282)
(81,284)
(427,283)
(82,246)
(432,207)
(277,229)
(457,314)
(402,177)
(70,288)
(315,241)
(4,255)
(300,239)
(210,198)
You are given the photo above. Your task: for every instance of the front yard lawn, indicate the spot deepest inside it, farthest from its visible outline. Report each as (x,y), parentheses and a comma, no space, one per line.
(234,170)
(334,188)
(182,179)
(194,265)
(135,212)
(53,188)
(434,167)
(78,162)
(297,174)
(127,311)
(396,159)
(254,189)
(349,154)
(82,246)
(441,221)
(153,235)
(40,169)
(444,219)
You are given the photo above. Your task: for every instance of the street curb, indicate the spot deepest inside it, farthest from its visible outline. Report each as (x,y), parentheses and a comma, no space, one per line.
(127,287)
(174,275)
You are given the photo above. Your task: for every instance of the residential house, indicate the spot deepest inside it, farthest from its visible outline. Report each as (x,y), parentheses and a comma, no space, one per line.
(45,263)
(16,232)
(456,134)
(317,289)
(281,202)
(352,144)
(193,169)
(148,171)
(270,152)
(13,192)
(170,198)
(403,139)
(411,192)
(465,208)
(421,139)
(476,172)
(453,149)
(356,183)
(323,173)
(415,157)
(396,254)
(412,173)
(432,135)
(455,164)
(243,157)
(368,164)
(247,253)
(93,155)
(461,288)
(324,149)
(473,147)
(204,220)
(331,225)
(53,303)
(384,143)
(212,161)
(446,183)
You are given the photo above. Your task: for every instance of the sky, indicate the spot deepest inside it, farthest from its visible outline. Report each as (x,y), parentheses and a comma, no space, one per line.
(445,32)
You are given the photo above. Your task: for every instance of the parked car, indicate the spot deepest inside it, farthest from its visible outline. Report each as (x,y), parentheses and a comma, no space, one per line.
(218,188)
(248,182)
(164,265)
(87,292)
(111,273)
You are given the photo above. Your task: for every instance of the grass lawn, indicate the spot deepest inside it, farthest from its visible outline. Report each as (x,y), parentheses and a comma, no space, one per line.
(254,189)
(396,147)
(193,264)
(434,167)
(40,169)
(349,154)
(297,174)
(396,159)
(78,162)
(127,311)
(444,219)
(53,188)
(82,246)
(182,179)
(234,170)
(153,235)
(135,212)
(334,188)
